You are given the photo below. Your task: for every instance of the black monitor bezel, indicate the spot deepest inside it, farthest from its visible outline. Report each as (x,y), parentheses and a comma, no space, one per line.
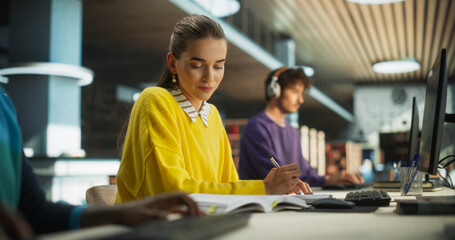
(433,119)
(413,133)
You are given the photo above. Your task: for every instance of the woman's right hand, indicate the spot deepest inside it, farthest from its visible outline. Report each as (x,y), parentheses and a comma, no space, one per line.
(282,180)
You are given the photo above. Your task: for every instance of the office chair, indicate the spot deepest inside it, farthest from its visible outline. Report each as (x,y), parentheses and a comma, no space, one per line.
(101,195)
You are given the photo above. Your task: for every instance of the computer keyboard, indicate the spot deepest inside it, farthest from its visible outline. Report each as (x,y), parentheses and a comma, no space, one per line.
(188,228)
(369,198)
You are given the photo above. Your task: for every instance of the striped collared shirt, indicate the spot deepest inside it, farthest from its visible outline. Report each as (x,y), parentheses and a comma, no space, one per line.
(185,104)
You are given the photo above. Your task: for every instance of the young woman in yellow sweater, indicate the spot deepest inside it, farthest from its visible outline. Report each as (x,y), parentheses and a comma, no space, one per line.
(176,140)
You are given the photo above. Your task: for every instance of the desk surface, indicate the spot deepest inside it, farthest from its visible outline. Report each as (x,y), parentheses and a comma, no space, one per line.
(382,224)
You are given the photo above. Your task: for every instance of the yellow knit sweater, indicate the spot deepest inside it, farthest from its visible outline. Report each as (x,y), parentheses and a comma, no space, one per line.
(165,151)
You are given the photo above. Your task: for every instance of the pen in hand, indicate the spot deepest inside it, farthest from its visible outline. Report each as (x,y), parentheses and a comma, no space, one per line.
(272,159)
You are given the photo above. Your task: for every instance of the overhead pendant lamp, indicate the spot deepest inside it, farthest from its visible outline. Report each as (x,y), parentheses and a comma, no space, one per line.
(84,76)
(398,66)
(220,8)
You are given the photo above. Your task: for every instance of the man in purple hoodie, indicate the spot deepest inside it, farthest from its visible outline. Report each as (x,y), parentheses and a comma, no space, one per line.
(268,131)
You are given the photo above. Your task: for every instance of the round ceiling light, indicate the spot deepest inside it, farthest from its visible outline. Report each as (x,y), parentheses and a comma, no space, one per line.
(220,8)
(399,66)
(309,71)
(84,76)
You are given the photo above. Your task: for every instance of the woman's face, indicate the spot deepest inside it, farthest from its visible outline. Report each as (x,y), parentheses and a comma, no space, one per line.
(200,68)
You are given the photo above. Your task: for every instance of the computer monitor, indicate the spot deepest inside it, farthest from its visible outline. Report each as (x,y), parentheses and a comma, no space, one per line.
(433,116)
(413,134)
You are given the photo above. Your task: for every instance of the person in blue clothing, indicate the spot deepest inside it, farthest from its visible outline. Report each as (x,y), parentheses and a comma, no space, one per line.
(269,131)
(21,195)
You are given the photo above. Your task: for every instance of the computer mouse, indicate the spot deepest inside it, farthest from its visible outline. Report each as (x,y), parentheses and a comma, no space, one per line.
(332,203)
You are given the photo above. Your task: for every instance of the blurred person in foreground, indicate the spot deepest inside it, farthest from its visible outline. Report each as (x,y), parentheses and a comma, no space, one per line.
(24,210)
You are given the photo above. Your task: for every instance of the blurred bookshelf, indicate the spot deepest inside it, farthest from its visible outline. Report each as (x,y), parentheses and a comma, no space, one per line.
(343,156)
(234,128)
(313,148)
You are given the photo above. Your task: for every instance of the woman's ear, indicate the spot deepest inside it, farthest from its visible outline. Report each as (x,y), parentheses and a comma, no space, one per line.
(171,62)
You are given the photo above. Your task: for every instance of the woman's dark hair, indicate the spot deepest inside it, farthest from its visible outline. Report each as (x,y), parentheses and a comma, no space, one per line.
(193,27)
(288,77)
(189,28)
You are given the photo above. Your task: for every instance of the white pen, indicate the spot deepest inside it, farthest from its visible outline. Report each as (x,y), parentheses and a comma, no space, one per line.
(272,159)
(278,166)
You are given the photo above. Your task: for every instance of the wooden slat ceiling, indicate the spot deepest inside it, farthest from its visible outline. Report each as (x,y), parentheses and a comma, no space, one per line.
(341,39)
(125,41)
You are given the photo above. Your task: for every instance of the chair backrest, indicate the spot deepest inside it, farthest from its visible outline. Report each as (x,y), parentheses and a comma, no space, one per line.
(101,195)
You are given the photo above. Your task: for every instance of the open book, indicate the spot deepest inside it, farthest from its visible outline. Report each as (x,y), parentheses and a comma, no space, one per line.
(219,203)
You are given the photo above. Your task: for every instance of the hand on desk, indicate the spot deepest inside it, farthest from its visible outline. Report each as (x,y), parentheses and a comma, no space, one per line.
(344,178)
(285,180)
(152,208)
(13,226)
(301,188)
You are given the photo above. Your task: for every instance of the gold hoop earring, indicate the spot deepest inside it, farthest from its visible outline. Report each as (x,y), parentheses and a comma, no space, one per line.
(173,78)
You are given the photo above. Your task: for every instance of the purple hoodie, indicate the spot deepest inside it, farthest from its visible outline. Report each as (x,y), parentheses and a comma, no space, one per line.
(262,135)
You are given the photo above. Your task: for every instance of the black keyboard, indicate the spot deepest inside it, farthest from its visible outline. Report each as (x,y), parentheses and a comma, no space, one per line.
(369,198)
(188,228)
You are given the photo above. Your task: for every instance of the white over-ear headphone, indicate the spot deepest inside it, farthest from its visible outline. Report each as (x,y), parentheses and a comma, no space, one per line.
(274,89)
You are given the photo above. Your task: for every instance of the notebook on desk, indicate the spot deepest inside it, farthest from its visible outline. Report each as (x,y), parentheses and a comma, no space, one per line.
(394,186)
(427,205)
(225,203)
